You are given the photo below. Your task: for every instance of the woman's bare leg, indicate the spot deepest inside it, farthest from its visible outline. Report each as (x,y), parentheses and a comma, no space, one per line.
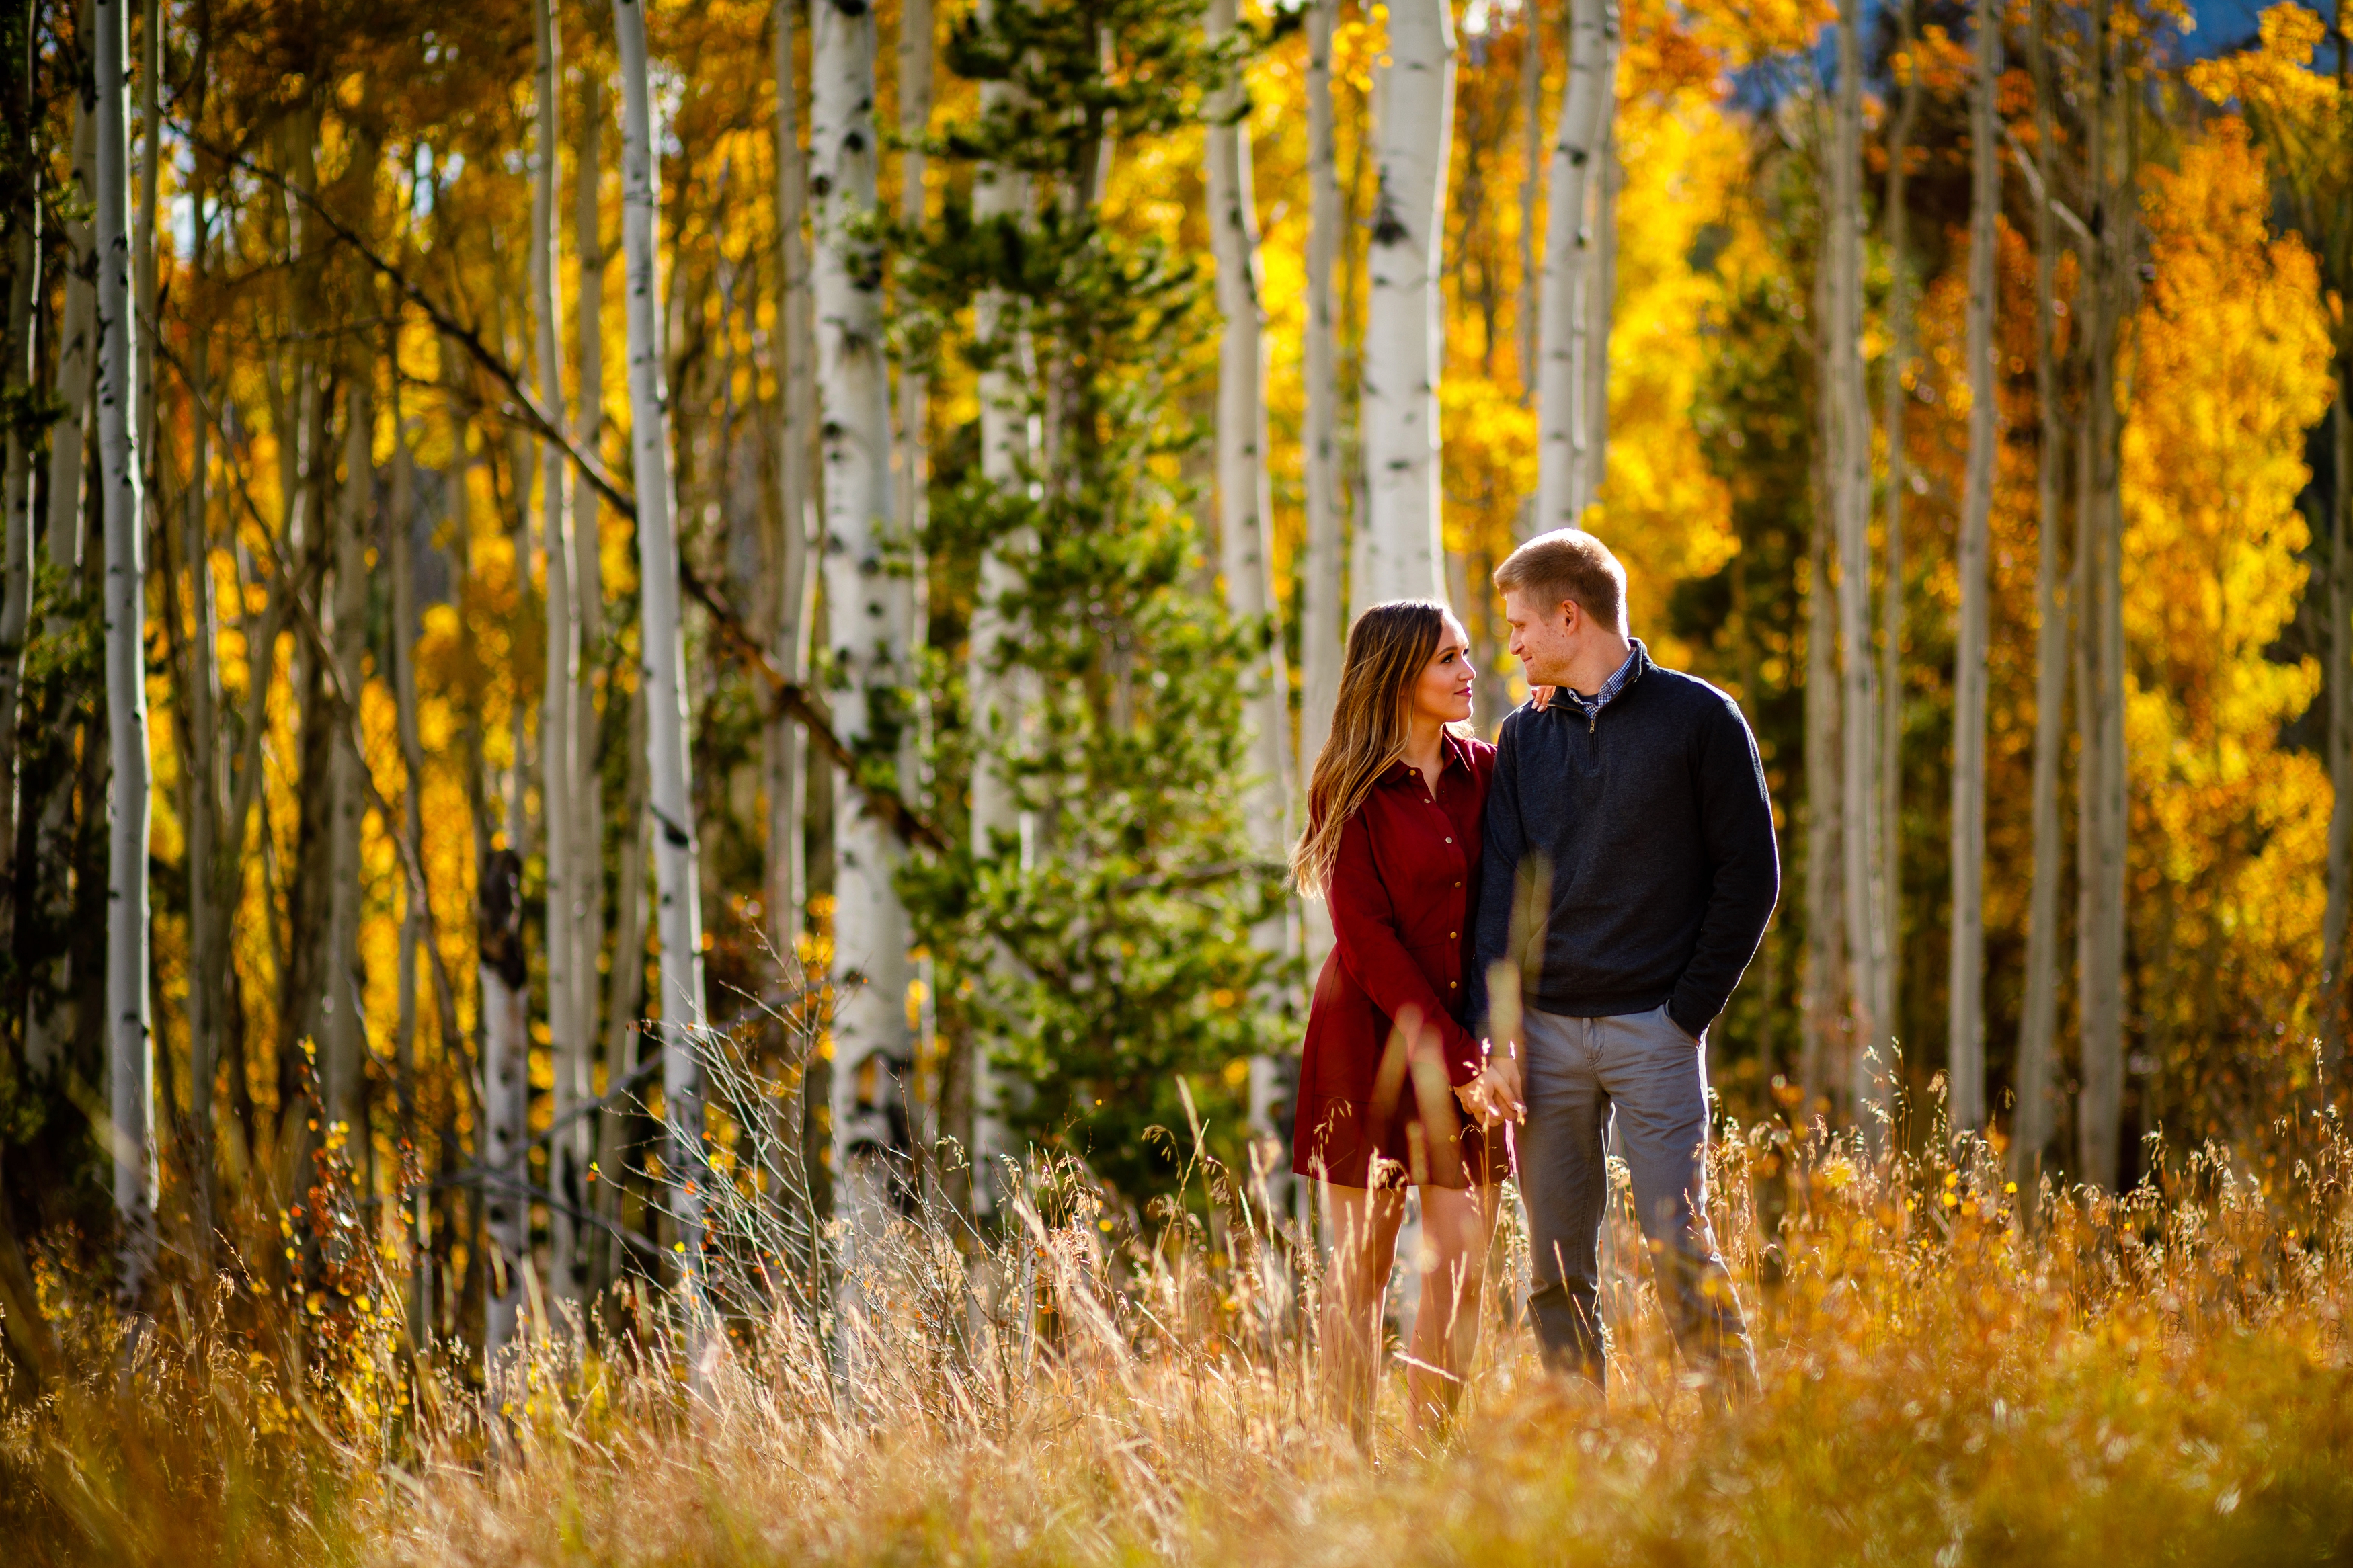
(1456,1226)
(1364,1244)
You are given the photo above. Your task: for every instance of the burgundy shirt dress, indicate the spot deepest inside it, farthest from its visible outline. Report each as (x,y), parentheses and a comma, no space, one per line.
(1386,1044)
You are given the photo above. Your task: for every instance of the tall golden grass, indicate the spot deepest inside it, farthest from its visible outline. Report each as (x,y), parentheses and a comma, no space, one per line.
(1950,1374)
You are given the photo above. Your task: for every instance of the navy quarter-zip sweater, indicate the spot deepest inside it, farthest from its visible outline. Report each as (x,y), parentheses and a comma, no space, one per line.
(1648,829)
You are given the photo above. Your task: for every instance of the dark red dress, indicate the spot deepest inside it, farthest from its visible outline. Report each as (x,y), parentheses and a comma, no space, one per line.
(1386,1044)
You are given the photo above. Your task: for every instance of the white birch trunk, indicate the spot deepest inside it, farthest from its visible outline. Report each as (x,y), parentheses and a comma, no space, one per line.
(2038,1030)
(1245,508)
(506,1097)
(787,746)
(1587,100)
(868,605)
(1600,309)
(678,897)
(999,697)
(1321,603)
(589,587)
(567,1042)
(1965,972)
(1851,511)
(1404,326)
(129,1056)
(343,1049)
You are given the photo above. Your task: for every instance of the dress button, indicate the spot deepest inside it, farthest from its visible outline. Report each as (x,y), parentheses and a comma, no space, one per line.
(1453,935)
(1449,841)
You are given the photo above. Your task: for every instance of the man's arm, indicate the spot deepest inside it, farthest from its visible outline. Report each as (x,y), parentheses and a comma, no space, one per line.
(1745,866)
(1499,867)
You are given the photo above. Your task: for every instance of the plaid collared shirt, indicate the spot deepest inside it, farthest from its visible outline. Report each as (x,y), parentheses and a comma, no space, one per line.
(1592,707)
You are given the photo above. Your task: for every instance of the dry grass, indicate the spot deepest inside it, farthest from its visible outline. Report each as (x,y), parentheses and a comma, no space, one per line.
(2162,1377)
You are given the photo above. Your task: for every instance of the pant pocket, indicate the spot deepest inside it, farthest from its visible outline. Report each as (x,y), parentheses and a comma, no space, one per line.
(1667,1021)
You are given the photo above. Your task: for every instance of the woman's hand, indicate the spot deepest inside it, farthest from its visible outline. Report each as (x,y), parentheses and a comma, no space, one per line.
(1494,1097)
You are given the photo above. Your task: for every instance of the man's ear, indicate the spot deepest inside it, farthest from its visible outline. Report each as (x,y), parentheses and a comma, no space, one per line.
(1570,610)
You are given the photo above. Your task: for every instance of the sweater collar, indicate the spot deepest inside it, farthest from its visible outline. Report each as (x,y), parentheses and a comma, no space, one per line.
(1638,658)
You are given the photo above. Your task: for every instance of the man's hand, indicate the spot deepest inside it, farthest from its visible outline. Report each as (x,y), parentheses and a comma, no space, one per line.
(1493,1096)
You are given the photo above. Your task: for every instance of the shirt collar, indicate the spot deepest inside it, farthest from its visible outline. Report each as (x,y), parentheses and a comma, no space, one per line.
(1451,747)
(1590,706)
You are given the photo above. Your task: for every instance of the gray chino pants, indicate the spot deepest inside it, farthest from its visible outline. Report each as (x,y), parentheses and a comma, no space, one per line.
(1643,1070)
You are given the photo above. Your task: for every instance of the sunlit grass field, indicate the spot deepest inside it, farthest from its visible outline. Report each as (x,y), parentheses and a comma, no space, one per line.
(2161,1377)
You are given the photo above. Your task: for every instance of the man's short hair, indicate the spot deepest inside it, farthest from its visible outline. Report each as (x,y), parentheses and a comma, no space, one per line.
(1568,563)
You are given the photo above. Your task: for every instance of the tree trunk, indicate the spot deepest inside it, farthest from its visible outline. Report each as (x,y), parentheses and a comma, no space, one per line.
(869,605)
(786,745)
(1850,454)
(662,646)
(626,997)
(588,601)
(568,1151)
(342,1048)
(506,1085)
(1321,601)
(1585,109)
(1601,285)
(1404,331)
(1245,509)
(2099,1121)
(2334,990)
(128,1056)
(398,547)
(2038,1023)
(1823,1061)
(914,514)
(1965,972)
(1890,866)
(1531,186)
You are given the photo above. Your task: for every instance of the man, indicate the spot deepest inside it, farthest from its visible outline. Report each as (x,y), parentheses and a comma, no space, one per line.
(1629,826)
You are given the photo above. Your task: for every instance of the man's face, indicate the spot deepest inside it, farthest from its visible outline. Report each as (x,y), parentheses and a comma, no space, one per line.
(1543,640)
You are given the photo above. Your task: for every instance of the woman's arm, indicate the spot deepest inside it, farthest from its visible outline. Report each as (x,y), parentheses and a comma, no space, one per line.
(1371,943)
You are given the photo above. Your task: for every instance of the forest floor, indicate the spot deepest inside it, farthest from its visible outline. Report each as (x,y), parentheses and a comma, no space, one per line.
(2167,1376)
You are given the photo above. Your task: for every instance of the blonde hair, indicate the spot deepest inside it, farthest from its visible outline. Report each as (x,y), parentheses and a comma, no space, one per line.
(1568,563)
(1388,648)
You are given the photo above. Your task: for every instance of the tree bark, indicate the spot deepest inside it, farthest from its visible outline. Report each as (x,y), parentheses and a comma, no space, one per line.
(568,1043)
(1890,866)
(1586,105)
(2038,1024)
(588,601)
(343,1049)
(1850,453)
(1600,309)
(786,746)
(662,646)
(506,1085)
(1965,969)
(1823,1066)
(869,605)
(129,1055)
(1404,331)
(1321,601)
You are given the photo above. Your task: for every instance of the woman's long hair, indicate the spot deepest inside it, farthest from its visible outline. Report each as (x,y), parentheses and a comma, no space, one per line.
(1388,648)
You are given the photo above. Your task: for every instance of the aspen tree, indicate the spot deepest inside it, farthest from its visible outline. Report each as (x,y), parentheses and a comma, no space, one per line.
(567,1040)
(1901,330)
(867,598)
(1586,106)
(130,1057)
(1245,503)
(2111,184)
(1822,1065)
(2038,1021)
(504,978)
(1850,500)
(786,745)
(1965,975)
(663,648)
(343,1084)
(590,256)
(1321,603)
(1402,554)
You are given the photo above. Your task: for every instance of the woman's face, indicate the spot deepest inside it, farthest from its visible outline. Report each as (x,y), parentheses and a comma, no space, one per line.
(1442,692)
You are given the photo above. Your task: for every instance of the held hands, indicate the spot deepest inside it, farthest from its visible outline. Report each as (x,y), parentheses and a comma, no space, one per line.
(1494,1097)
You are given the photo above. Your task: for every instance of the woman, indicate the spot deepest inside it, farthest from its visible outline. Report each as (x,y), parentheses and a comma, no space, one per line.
(1394,826)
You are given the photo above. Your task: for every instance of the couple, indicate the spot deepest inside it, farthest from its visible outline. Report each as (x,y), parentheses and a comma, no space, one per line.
(1541,930)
